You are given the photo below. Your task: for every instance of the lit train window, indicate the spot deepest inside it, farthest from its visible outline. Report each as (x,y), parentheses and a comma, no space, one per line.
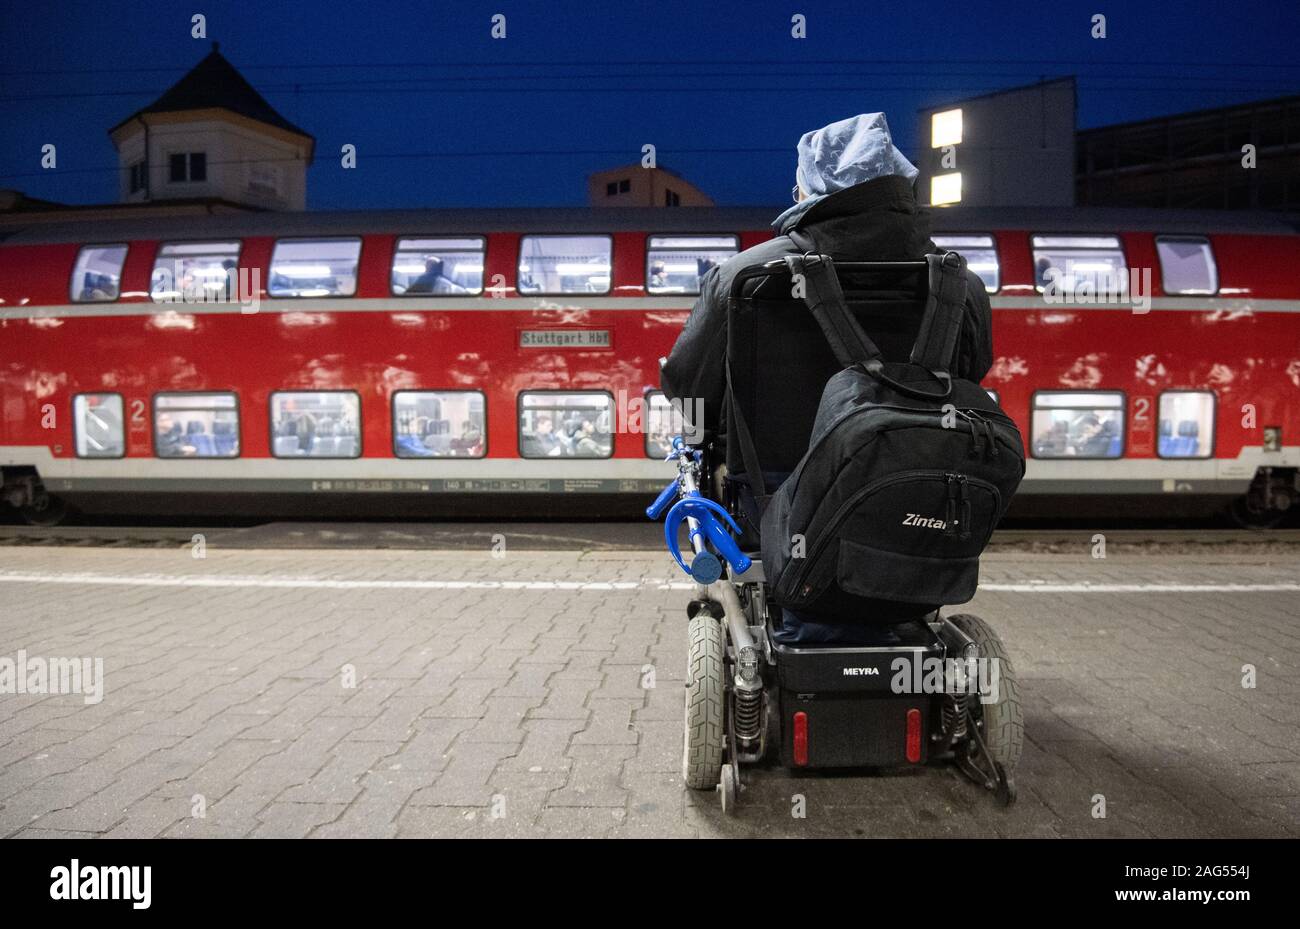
(674,264)
(662,422)
(981,254)
(316,424)
(1186,424)
(195,272)
(314,268)
(439,424)
(445,267)
(196,425)
(97,274)
(1080,265)
(558,424)
(562,264)
(97,424)
(1187,265)
(1078,424)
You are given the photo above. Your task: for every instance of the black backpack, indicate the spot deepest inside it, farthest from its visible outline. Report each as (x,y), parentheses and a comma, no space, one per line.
(906,474)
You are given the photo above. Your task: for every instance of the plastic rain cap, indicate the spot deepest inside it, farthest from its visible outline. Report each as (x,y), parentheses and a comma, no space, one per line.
(842,155)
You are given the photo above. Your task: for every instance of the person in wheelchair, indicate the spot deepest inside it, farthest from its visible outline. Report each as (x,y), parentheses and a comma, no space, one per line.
(855,201)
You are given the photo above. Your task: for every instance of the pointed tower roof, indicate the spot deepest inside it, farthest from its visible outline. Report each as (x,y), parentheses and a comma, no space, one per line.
(215,84)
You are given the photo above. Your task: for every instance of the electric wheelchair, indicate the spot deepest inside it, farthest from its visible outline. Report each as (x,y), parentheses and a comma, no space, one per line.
(874,692)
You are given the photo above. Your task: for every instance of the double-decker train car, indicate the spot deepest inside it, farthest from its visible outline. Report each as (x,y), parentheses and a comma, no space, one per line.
(447,361)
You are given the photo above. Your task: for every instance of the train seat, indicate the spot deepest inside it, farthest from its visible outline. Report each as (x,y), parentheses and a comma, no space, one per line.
(286,445)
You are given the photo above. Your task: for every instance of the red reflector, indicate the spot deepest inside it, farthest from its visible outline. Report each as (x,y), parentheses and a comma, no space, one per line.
(914,735)
(801,738)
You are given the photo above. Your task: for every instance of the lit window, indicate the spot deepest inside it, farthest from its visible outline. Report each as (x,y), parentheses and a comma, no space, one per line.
(1187,265)
(559,264)
(945,128)
(1078,424)
(981,256)
(314,268)
(675,263)
(196,425)
(195,272)
(97,424)
(1080,265)
(556,424)
(945,188)
(97,274)
(1186,424)
(439,424)
(441,267)
(316,424)
(663,421)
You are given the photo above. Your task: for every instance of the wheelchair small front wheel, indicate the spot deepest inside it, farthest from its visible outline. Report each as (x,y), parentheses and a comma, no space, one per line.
(705,699)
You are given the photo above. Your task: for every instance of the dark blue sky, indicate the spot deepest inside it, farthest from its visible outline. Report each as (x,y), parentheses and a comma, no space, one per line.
(443,115)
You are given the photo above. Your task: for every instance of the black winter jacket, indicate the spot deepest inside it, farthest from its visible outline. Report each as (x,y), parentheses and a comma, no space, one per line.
(874,221)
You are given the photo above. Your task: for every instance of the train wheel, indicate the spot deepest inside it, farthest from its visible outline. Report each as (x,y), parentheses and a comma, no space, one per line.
(1248,514)
(45,510)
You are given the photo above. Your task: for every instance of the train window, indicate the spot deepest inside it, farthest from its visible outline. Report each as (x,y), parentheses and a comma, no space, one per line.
(316,424)
(314,268)
(1187,265)
(1078,424)
(1080,265)
(1186,424)
(438,266)
(439,424)
(97,424)
(675,263)
(981,254)
(196,425)
(564,264)
(195,272)
(558,424)
(97,274)
(663,421)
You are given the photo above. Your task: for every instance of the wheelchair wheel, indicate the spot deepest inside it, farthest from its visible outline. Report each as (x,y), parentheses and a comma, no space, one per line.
(1003,719)
(705,696)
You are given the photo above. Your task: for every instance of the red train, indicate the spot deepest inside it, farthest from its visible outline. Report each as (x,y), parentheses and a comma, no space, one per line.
(452,358)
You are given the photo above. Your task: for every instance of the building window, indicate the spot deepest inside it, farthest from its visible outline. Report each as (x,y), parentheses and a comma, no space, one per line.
(1187,265)
(611,189)
(559,264)
(675,263)
(671,198)
(445,267)
(439,424)
(314,268)
(316,424)
(196,425)
(625,185)
(187,166)
(97,274)
(97,425)
(556,424)
(137,177)
(195,272)
(1078,265)
(663,421)
(981,254)
(1186,424)
(1078,424)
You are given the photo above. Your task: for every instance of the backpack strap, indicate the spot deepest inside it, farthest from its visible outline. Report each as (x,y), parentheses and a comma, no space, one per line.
(941,322)
(825,300)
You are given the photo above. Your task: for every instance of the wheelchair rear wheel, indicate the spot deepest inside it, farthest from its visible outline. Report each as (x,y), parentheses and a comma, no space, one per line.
(705,701)
(1001,722)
